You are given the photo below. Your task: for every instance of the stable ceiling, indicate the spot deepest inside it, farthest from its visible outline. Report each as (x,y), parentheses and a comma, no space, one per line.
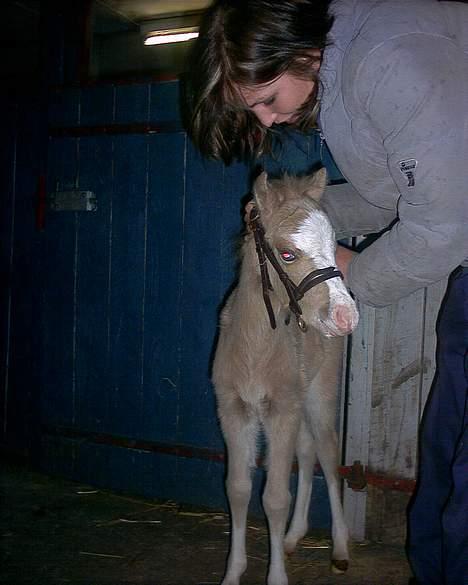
(117,46)
(137,11)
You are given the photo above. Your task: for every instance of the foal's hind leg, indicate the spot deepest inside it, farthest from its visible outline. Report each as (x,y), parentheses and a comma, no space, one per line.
(240,433)
(321,417)
(281,431)
(306,457)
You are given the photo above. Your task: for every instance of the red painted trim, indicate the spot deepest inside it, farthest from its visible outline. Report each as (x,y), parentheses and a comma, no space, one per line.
(190,452)
(381,481)
(185,451)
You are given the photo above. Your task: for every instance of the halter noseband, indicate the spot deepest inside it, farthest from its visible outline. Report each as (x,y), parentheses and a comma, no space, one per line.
(294,292)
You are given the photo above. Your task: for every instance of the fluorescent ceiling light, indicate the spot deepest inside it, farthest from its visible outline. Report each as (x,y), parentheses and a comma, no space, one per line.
(174,29)
(163,37)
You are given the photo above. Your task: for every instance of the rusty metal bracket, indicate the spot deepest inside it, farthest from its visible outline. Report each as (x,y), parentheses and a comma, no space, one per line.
(355,476)
(359,478)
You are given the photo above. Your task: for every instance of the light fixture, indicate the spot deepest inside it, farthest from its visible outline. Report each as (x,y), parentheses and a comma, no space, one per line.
(177,35)
(175,29)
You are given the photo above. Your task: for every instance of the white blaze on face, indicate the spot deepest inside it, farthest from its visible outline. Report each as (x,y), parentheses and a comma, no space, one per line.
(316,238)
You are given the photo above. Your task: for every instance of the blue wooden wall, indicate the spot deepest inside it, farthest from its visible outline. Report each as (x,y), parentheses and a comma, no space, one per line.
(23,131)
(112,336)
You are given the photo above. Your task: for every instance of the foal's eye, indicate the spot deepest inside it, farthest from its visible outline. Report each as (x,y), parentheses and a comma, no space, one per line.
(287,256)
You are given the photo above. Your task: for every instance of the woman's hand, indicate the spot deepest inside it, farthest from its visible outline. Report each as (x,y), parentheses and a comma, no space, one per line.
(343,258)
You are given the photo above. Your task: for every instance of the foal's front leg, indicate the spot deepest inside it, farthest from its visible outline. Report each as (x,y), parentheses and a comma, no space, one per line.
(240,435)
(281,432)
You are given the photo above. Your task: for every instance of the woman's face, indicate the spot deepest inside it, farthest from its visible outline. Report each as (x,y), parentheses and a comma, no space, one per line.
(280,100)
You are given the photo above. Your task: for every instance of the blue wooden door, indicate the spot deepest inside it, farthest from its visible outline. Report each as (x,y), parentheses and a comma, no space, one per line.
(132,294)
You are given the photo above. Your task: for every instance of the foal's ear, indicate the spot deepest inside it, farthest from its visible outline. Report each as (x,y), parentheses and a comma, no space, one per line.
(260,191)
(316,183)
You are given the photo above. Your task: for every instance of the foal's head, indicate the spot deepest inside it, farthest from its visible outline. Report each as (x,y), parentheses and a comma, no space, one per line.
(302,238)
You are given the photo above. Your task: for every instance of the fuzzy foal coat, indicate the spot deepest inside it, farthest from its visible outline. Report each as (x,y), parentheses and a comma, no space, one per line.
(283,381)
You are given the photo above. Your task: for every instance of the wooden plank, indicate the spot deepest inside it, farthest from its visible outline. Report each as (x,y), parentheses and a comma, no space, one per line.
(59,319)
(394,411)
(7,222)
(204,192)
(93,285)
(163,287)
(132,103)
(97,105)
(64,106)
(127,277)
(230,212)
(434,296)
(386,516)
(25,279)
(404,357)
(396,382)
(210,214)
(358,407)
(164,102)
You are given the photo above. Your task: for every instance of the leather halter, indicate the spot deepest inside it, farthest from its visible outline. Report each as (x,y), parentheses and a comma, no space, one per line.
(295,292)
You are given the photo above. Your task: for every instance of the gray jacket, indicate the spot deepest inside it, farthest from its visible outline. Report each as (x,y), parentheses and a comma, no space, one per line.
(394,113)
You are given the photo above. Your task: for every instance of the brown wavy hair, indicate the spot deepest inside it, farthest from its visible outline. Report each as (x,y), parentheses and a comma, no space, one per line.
(243,43)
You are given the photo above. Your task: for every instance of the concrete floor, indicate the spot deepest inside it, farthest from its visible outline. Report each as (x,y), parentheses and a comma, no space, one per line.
(58,532)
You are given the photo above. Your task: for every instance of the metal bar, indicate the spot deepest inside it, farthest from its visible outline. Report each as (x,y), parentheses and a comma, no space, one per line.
(185,451)
(350,472)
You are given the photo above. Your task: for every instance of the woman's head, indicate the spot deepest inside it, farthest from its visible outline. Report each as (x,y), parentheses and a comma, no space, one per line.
(248,53)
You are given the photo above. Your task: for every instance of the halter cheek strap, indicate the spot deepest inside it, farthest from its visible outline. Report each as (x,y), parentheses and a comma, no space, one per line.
(294,292)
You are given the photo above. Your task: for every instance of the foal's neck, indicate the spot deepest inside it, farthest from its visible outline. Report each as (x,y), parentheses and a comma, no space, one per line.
(250,282)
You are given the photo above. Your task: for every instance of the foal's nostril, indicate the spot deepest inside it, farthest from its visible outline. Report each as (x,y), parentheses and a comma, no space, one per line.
(344,318)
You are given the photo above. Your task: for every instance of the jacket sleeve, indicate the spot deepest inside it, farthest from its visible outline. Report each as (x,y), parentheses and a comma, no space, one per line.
(351,215)
(413,90)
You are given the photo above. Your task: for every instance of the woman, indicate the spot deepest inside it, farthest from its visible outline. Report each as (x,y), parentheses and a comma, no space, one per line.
(386,82)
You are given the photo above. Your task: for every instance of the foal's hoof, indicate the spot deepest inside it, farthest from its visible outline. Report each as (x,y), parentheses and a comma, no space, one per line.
(289,549)
(339,567)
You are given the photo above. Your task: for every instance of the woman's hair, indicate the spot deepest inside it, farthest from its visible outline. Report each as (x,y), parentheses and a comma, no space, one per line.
(244,43)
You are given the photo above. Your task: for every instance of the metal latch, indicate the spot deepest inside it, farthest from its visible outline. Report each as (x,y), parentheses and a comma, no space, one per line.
(73,200)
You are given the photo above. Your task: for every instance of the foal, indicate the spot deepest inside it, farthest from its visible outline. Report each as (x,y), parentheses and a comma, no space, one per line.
(283,379)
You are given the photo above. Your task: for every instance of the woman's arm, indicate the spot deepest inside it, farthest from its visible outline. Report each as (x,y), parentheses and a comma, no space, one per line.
(414,90)
(351,215)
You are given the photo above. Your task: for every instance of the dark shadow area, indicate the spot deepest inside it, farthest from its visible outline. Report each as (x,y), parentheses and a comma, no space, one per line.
(56,531)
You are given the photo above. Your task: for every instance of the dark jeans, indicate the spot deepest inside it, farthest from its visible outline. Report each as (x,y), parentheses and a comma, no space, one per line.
(438,514)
